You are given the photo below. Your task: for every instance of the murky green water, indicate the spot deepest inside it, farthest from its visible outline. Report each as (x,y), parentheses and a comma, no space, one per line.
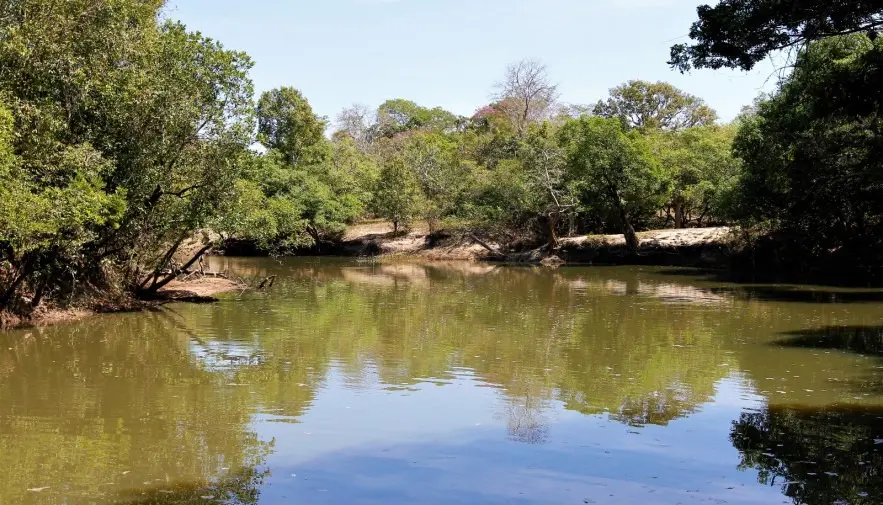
(460,384)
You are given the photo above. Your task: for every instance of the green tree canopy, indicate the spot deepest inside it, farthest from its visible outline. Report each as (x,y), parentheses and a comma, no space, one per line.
(740,33)
(400,115)
(126,134)
(655,106)
(286,122)
(614,167)
(700,169)
(812,156)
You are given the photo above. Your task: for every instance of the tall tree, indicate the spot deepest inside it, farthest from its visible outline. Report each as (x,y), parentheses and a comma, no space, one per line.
(740,33)
(544,160)
(700,168)
(812,159)
(397,195)
(286,122)
(442,177)
(655,106)
(526,93)
(130,127)
(616,167)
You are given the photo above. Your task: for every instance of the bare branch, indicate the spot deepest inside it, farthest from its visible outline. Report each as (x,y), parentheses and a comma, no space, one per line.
(526,93)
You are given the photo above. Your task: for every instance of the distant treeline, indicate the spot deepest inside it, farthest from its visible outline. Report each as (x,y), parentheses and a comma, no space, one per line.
(123,136)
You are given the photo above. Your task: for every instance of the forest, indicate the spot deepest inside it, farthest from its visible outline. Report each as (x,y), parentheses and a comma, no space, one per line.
(123,135)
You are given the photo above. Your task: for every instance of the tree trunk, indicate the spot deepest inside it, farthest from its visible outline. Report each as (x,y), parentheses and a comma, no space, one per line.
(395,227)
(487,246)
(39,292)
(552,221)
(169,278)
(631,238)
(314,233)
(165,260)
(680,217)
(6,297)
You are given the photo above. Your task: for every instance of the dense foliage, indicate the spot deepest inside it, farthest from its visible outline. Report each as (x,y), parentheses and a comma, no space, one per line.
(123,137)
(741,33)
(528,167)
(812,156)
(810,195)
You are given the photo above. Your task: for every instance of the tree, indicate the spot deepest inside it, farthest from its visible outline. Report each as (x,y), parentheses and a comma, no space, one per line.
(544,160)
(740,33)
(397,196)
(130,128)
(700,168)
(442,176)
(399,115)
(526,94)
(655,106)
(812,160)
(39,226)
(353,121)
(281,208)
(615,167)
(286,122)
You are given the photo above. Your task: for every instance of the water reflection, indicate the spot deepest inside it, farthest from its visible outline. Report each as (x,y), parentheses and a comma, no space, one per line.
(540,336)
(111,404)
(573,379)
(816,456)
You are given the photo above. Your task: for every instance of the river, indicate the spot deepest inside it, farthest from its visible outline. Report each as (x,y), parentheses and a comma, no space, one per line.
(397,383)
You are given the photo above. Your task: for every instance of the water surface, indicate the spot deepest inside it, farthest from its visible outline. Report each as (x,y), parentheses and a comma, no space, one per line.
(356,383)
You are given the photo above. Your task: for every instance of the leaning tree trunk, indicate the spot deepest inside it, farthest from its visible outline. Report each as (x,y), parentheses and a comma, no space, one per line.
(631,238)
(552,222)
(317,239)
(157,285)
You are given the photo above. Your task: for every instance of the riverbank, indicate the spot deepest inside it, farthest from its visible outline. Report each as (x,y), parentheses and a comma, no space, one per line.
(698,247)
(200,290)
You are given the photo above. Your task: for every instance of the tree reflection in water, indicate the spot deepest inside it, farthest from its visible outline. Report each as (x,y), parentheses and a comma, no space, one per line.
(160,407)
(820,456)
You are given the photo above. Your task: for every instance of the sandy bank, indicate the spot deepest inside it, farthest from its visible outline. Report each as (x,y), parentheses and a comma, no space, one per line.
(679,247)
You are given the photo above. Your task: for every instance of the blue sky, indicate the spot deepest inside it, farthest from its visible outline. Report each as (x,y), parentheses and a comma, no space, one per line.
(449,53)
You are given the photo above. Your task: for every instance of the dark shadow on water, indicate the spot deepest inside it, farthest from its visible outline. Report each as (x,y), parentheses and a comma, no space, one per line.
(864,340)
(751,290)
(801,295)
(816,456)
(694,273)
